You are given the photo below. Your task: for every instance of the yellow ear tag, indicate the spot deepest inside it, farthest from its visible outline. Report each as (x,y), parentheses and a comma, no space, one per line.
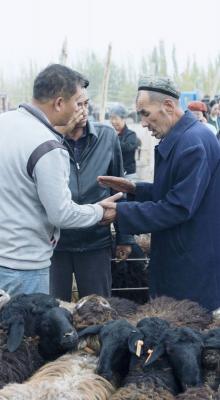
(139,344)
(149,352)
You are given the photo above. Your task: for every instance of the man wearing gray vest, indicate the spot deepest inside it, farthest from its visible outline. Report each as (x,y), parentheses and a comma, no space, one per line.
(34,174)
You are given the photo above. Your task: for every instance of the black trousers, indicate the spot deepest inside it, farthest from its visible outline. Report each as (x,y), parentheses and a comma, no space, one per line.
(92,271)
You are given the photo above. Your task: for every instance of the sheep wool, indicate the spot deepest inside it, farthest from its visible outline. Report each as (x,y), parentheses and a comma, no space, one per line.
(177,312)
(149,392)
(70,377)
(198,393)
(20,365)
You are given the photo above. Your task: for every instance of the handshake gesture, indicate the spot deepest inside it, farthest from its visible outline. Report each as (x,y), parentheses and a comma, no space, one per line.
(109,205)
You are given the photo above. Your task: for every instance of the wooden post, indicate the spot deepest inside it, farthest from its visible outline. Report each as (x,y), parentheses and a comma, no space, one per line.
(64,53)
(104,93)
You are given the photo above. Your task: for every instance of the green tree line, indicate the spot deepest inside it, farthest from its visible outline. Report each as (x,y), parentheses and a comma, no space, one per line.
(123,78)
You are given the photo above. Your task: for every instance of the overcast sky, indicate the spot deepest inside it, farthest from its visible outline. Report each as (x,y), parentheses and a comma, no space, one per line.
(35,29)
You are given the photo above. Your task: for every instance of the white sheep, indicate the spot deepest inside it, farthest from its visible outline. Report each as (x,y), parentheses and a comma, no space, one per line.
(70,377)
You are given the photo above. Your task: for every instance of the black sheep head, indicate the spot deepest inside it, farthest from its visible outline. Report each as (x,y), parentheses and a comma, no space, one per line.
(147,335)
(183,347)
(56,332)
(114,356)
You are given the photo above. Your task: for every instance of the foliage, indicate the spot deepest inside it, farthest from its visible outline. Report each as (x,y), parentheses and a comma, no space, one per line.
(123,78)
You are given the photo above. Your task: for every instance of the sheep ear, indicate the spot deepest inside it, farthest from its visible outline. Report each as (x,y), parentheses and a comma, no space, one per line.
(16,333)
(156,353)
(132,341)
(91,330)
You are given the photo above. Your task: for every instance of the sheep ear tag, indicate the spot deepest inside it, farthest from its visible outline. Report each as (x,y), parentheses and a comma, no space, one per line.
(16,333)
(135,343)
(139,345)
(153,355)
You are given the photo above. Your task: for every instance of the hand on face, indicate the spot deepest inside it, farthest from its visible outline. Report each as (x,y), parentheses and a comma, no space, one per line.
(118,184)
(75,119)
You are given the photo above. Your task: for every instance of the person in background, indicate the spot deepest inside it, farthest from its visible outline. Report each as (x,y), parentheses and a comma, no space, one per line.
(214,118)
(35,198)
(128,139)
(181,207)
(94,149)
(199,109)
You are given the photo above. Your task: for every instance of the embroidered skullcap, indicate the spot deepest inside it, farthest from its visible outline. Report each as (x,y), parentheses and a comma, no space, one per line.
(163,85)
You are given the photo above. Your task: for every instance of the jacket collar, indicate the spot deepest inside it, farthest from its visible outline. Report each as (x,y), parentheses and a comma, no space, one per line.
(166,145)
(91,129)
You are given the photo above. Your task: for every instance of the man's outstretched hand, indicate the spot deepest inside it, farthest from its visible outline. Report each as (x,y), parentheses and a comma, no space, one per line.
(109,207)
(118,184)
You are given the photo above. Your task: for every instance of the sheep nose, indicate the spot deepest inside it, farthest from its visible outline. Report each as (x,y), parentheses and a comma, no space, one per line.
(68,334)
(69,340)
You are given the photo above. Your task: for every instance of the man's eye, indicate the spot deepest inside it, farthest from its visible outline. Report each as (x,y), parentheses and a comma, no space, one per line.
(143,113)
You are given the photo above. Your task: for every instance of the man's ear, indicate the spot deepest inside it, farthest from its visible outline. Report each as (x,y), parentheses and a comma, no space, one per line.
(58,103)
(169,105)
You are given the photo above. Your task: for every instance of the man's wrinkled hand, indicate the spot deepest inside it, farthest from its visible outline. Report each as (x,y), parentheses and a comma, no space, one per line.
(123,251)
(109,201)
(109,213)
(118,184)
(109,216)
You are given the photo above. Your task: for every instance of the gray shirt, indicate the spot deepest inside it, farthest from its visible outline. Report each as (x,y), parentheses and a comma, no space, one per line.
(33,209)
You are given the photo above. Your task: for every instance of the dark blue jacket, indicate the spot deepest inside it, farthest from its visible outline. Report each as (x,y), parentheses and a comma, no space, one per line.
(101,156)
(182,210)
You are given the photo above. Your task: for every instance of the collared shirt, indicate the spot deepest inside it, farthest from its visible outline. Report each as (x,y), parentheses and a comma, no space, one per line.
(78,145)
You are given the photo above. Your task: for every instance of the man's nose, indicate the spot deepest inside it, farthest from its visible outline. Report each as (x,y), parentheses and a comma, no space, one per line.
(144,122)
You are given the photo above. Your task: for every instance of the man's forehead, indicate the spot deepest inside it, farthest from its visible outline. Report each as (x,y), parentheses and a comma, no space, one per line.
(143,100)
(83,96)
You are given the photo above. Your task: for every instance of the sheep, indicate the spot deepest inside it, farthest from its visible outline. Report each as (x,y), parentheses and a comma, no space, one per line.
(142,392)
(125,308)
(114,356)
(149,332)
(68,305)
(198,393)
(177,312)
(20,365)
(56,333)
(39,314)
(70,377)
(183,347)
(211,358)
(92,310)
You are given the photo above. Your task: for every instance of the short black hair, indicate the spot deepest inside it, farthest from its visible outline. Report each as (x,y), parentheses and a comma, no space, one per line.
(57,80)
